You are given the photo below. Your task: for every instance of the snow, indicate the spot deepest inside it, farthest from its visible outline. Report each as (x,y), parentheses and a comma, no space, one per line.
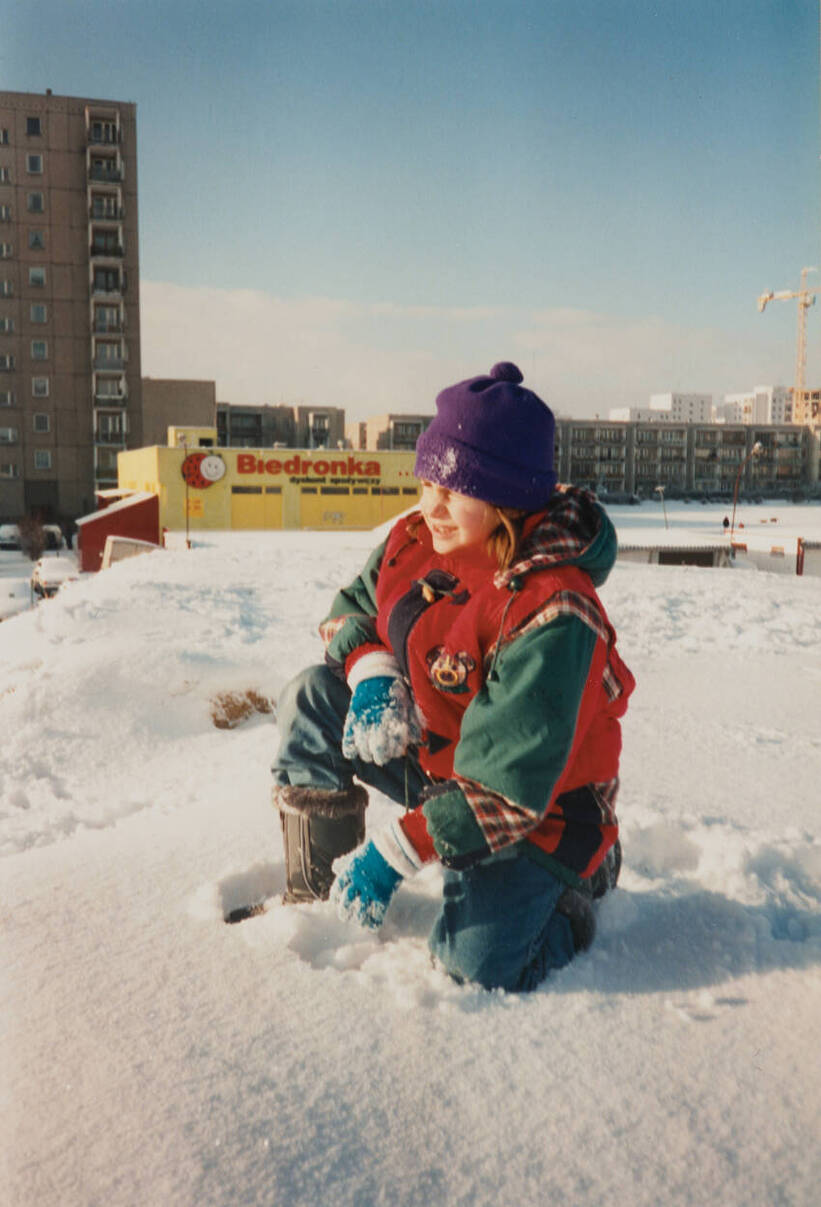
(131,497)
(151,1054)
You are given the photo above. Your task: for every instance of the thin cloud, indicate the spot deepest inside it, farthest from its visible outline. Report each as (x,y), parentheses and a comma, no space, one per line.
(386,356)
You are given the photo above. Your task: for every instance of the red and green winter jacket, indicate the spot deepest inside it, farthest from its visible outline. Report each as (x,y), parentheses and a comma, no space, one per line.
(516,678)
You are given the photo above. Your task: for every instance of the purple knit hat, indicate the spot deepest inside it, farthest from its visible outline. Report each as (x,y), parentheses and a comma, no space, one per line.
(491,439)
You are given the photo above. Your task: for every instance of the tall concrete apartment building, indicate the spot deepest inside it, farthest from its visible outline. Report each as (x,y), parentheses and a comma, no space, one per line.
(70,386)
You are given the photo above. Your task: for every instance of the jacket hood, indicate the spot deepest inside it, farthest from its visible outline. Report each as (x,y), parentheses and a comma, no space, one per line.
(574,530)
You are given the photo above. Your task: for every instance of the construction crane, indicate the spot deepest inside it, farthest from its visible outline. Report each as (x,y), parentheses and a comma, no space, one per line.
(805,300)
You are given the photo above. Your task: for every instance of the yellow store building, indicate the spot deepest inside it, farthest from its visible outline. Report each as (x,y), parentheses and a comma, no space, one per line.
(208,487)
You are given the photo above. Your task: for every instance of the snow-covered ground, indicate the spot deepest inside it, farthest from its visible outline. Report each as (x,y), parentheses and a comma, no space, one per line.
(152,1055)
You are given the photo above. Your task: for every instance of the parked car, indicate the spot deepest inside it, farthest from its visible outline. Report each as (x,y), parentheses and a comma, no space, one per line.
(9,536)
(50,573)
(54,536)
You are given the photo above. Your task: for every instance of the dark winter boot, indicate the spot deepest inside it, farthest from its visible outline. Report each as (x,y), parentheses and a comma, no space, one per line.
(317,827)
(578,909)
(606,875)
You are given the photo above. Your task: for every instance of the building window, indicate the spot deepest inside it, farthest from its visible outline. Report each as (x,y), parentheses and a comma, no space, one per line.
(34,165)
(106,460)
(6,398)
(8,435)
(103,132)
(5,213)
(41,421)
(107,318)
(6,362)
(37,240)
(6,325)
(4,136)
(106,167)
(6,251)
(39,387)
(38,312)
(42,458)
(5,175)
(35,203)
(106,280)
(37,277)
(108,351)
(8,470)
(106,243)
(39,349)
(34,126)
(110,427)
(6,289)
(110,387)
(105,205)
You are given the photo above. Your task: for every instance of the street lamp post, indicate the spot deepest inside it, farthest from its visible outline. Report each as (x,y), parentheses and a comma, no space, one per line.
(187,521)
(659,490)
(757,448)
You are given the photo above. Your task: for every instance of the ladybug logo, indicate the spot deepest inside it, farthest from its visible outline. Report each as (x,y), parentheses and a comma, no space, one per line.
(203,469)
(449,672)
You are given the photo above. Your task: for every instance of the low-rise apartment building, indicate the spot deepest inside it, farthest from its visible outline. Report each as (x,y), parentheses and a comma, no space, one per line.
(286,426)
(178,402)
(611,457)
(397,432)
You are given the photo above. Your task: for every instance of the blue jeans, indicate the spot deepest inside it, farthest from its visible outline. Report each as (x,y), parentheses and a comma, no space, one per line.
(311,713)
(498,924)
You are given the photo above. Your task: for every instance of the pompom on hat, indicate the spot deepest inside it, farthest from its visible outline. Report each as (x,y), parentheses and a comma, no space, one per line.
(491,439)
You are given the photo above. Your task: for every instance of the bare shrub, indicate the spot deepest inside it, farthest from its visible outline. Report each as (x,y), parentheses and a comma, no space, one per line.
(32,538)
(231,708)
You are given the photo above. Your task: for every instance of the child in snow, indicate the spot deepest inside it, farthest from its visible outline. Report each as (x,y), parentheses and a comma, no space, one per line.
(472,676)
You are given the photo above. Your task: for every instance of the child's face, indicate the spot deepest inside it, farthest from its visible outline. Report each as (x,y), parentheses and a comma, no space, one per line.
(455,521)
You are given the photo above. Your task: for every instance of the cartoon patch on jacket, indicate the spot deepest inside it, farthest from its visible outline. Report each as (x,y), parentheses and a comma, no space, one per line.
(449,672)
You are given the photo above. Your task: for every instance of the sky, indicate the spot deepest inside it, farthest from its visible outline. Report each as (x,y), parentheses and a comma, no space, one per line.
(356,202)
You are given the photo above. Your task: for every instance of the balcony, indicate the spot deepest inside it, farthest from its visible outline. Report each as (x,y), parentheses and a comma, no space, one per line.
(106,248)
(106,173)
(110,391)
(108,284)
(102,125)
(100,211)
(110,439)
(103,137)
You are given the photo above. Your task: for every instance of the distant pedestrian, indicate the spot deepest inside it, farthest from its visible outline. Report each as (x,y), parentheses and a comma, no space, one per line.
(471,675)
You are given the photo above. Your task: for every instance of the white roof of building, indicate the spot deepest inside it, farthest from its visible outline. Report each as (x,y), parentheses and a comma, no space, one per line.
(133,496)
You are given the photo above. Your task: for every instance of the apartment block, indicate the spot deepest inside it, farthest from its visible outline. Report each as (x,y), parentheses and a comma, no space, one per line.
(807,409)
(684,408)
(69,286)
(399,432)
(176,402)
(270,426)
(686,458)
(762,404)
